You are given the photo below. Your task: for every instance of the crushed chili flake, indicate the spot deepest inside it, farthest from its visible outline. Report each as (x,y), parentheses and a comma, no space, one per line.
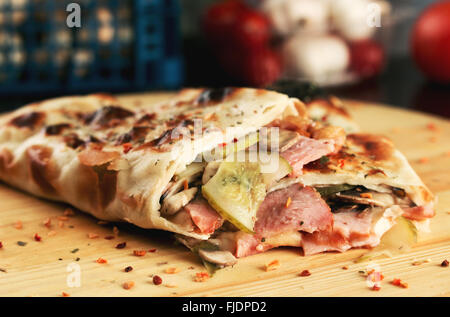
(47,222)
(201,277)
(424,160)
(341,163)
(185,184)
(51,233)
(127,147)
(445,263)
(275,264)
(109,237)
(157,280)
(121,245)
(345,267)
(101,261)
(128,285)
(68,212)
(18,225)
(64,294)
(305,273)
(139,252)
(366,195)
(432,127)
(128,269)
(1,245)
(152,250)
(398,282)
(416,263)
(63,218)
(172,270)
(37,237)
(288,202)
(93,235)
(376,287)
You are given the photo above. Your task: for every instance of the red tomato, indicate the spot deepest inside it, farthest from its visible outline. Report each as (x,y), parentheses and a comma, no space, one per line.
(252,29)
(261,67)
(220,19)
(430,41)
(366,58)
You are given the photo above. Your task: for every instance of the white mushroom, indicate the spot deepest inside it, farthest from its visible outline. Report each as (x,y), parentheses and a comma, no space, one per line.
(222,258)
(171,205)
(210,171)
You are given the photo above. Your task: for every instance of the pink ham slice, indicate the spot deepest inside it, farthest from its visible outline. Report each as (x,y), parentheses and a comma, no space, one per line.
(305,151)
(204,216)
(307,211)
(419,213)
(350,230)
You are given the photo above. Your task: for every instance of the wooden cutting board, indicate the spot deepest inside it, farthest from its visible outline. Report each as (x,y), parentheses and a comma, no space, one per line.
(43,268)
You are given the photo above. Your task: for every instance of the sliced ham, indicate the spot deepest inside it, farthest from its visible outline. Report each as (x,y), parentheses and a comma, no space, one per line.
(419,213)
(206,219)
(305,211)
(351,230)
(307,150)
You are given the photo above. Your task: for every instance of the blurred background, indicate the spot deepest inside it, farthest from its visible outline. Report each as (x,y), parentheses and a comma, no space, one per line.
(388,51)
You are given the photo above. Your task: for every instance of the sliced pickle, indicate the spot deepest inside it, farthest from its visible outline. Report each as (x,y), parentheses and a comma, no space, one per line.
(399,239)
(235,192)
(275,170)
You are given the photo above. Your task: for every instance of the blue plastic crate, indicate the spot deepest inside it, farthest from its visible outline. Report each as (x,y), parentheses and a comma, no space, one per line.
(122,45)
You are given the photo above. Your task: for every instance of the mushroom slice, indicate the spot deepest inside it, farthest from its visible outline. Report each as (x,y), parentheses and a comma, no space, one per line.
(210,170)
(171,205)
(221,258)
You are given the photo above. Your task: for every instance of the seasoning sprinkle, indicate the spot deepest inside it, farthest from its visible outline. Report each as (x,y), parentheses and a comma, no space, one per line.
(152,250)
(64,294)
(444,263)
(185,184)
(101,261)
(366,195)
(157,280)
(139,252)
(128,269)
(21,243)
(128,285)
(18,225)
(121,245)
(93,235)
(47,222)
(172,270)
(275,264)
(288,202)
(1,245)
(109,237)
(75,250)
(37,237)
(398,282)
(201,277)
(305,273)
(68,212)
(376,287)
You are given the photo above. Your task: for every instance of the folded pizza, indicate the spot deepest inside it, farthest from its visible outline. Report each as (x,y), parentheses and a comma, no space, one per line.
(232,172)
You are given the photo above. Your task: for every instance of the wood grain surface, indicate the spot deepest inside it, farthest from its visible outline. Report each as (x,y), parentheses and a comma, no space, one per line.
(44,268)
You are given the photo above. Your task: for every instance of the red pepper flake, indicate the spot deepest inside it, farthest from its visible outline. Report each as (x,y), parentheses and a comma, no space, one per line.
(101,261)
(201,277)
(424,160)
(272,266)
(341,163)
(305,273)
(324,118)
(64,294)
(121,245)
(398,282)
(432,127)
(152,250)
(444,263)
(288,202)
(47,222)
(128,269)
(172,270)
(127,147)
(235,140)
(63,218)
(157,280)
(18,225)
(128,285)
(139,252)
(109,237)
(376,287)
(185,184)
(93,235)
(345,267)
(68,212)
(223,144)
(366,195)
(1,245)
(37,237)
